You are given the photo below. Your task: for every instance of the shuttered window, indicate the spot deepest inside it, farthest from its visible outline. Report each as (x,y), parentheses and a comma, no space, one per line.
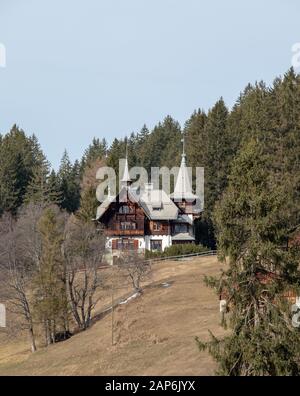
(125,244)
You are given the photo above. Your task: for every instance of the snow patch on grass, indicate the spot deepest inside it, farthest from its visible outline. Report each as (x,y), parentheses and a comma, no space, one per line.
(128,299)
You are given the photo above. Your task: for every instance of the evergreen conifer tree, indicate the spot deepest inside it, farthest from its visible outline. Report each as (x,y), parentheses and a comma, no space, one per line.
(253,221)
(50,301)
(69,183)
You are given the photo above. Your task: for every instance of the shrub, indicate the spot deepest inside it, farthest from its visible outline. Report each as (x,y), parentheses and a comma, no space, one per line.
(177,250)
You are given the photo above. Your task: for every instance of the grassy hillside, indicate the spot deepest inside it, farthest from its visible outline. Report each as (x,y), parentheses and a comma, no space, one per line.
(154,334)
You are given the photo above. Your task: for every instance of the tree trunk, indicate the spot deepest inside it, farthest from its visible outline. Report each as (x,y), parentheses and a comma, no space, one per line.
(74,304)
(32,339)
(47,332)
(53,331)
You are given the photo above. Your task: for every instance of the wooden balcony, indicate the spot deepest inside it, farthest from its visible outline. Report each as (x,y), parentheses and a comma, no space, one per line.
(124,232)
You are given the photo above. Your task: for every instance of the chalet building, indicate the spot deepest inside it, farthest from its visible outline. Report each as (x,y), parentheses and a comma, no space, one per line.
(150,220)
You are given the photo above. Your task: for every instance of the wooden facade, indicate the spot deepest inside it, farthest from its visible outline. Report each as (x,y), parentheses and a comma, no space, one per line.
(154,227)
(124,219)
(127,227)
(149,218)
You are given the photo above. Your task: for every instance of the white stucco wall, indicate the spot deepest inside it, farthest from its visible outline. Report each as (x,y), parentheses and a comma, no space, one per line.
(144,242)
(110,253)
(108,243)
(166,241)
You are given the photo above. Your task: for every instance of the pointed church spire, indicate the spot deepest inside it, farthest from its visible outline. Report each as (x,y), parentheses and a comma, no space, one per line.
(126,177)
(183,189)
(183,155)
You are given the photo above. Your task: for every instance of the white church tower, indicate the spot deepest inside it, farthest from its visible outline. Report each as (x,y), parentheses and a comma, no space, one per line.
(183,195)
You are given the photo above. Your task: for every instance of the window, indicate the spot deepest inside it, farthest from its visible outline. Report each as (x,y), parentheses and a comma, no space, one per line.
(126,244)
(156,226)
(156,245)
(180,228)
(124,209)
(127,225)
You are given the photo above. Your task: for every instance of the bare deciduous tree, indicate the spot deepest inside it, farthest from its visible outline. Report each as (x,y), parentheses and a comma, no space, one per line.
(135,269)
(15,274)
(83,251)
(29,238)
(21,266)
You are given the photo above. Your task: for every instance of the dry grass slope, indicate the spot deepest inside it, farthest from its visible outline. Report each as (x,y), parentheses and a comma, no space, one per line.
(154,334)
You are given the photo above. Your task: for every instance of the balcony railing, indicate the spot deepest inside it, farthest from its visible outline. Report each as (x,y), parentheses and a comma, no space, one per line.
(124,232)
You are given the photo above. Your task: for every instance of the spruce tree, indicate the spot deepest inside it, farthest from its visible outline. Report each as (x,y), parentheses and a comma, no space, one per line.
(196,141)
(253,221)
(69,184)
(96,150)
(16,168)
(140,146)
(11,192)
(163,147)
(88,200)
(116,152)
(216,154)
(208,135)
(194,130)
(54,191)
(88,205)
(50,303)
(38,191)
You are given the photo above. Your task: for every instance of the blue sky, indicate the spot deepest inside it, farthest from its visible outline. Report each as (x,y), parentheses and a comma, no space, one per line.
(78,69)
